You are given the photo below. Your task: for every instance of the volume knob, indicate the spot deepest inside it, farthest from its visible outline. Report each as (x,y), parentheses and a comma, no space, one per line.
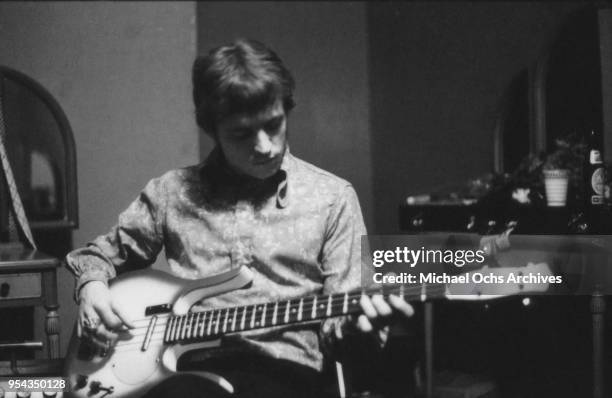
(81,381)
(4,289)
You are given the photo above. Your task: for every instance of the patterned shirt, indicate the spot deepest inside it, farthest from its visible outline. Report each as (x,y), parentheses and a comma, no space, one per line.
(298,231)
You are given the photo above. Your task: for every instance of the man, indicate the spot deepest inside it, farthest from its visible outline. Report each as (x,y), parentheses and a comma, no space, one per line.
(250,203)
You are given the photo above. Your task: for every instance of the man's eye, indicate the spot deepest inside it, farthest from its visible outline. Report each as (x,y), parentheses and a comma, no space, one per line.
(241,134)
(274,125)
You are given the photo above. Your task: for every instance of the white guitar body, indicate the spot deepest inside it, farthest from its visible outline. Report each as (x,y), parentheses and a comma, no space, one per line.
(134,368)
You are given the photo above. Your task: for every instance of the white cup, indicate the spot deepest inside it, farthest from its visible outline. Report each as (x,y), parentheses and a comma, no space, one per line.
(555,184)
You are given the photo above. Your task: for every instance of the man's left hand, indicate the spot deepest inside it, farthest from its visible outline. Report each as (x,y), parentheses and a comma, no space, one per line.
(377,314)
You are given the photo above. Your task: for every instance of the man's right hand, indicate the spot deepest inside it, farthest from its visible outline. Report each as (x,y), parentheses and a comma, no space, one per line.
(98,319)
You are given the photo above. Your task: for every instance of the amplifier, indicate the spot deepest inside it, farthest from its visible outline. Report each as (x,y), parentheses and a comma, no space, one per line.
(491,219)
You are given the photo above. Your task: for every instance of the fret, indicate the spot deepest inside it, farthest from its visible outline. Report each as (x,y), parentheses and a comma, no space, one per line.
(187,325)
(177,326)
(313,315)
(172,327)
(225,321)
(210,322)
(190,324)
(287,311)
(168,328)
(217,322)
(300,308)
(252,325)
(181,330)
(263,315)
(183,324)
(201,333)
(345,304)
(275,313)
(234,319)
(243,318)
(329,302)
(195,326)
(401,292)
(423,292)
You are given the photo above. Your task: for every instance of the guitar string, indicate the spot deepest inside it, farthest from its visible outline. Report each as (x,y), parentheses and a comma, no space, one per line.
(214,336)
(336,299)
(228,312)
(187,326)
(159,337)
(340,296)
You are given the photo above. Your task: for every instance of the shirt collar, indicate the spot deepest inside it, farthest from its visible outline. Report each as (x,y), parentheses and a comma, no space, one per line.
(282,193)
(216,162)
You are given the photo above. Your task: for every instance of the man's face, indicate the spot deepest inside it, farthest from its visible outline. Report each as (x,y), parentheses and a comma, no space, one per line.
(254,143)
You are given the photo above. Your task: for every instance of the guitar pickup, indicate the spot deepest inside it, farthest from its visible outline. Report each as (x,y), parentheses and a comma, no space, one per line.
(147,339)
(158,309)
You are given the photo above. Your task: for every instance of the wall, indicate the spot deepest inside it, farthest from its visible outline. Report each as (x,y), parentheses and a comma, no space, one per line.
(324,44)
(437,73)
(121,73)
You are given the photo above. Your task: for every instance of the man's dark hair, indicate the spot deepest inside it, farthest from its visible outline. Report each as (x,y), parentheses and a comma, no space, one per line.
(245,76)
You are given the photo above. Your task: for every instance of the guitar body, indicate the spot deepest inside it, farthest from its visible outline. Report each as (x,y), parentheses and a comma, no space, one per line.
(140,359)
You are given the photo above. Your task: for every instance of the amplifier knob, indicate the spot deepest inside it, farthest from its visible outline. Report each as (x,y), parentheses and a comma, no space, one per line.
(471,224)
(4,289)
(417,221)
(81,381)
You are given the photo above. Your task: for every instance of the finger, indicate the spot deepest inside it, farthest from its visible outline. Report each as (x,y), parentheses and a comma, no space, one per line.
(367,307)
(338,330)
(401,305)
(110,320)
(106,334)
(381,306)
(364,324)
(87,317)
(338,333)
(95,340)
(123,317)
(383,336)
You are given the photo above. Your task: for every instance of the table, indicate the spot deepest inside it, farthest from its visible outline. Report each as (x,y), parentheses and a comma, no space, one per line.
(29,278)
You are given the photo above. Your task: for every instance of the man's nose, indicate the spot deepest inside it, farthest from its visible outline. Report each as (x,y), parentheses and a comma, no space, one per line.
(263,144)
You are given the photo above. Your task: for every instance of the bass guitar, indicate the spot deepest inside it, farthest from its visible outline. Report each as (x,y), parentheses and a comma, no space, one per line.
(166,328)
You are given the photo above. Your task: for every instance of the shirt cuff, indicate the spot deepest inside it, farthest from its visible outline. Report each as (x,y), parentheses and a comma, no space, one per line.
(87,277)
(88,267)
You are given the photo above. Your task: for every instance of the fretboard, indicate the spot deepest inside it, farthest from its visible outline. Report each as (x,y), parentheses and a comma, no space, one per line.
(211,324)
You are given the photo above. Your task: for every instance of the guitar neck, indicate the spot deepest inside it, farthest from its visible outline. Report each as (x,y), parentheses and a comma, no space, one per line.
(212,324)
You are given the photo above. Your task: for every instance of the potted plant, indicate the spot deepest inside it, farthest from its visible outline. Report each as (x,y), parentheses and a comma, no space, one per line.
(562,170)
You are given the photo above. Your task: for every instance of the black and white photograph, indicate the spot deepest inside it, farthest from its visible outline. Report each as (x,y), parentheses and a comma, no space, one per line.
(334,199)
